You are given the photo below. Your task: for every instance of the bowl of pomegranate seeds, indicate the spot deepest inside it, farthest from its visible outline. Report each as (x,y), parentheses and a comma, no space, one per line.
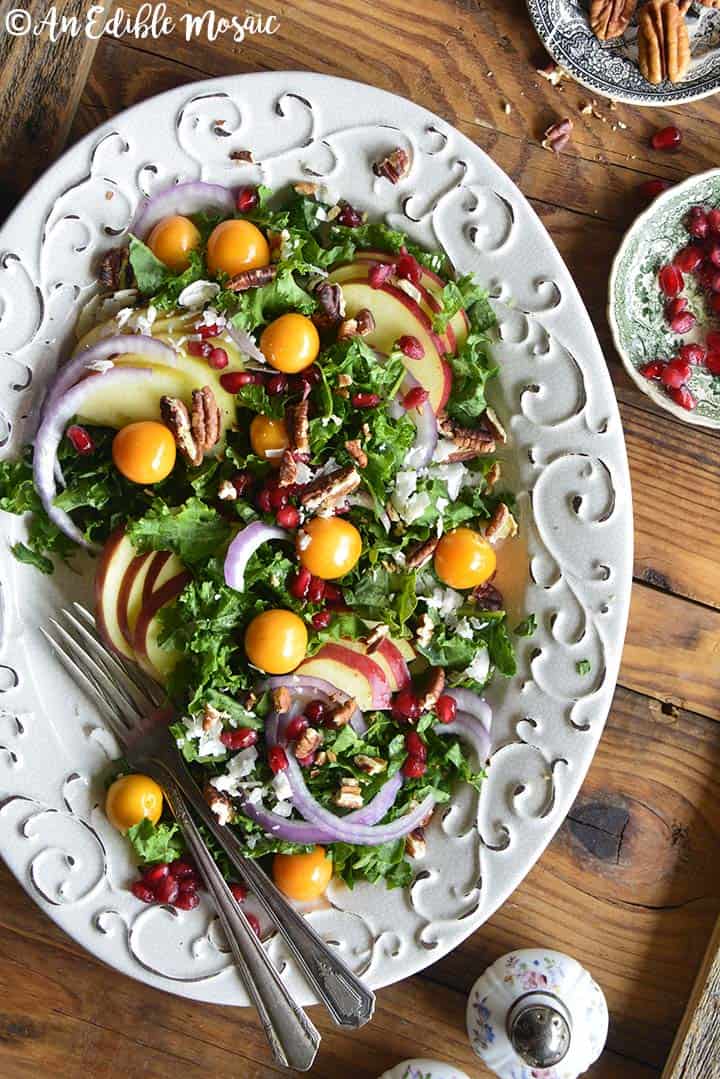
(664,302)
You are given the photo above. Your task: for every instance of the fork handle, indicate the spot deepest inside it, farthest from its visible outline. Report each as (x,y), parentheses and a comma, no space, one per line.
(293,1039)
(349,1002)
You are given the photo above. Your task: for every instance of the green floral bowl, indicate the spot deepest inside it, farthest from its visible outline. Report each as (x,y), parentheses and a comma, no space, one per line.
(635,305)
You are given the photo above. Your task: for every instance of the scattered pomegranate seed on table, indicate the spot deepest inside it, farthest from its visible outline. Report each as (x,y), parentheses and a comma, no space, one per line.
(183,870)
(667,138)
(253,922)
(167,890)
(676,373)
(80,439)
(650,189)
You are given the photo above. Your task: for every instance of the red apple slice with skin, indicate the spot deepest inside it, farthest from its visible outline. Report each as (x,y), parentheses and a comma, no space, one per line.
(129,599)
(115,562)
(387,656)
(396,315)
(156,660)
(352,672)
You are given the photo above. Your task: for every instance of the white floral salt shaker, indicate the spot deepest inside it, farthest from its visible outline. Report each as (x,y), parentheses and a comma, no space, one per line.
(537,1014)
(424,1069)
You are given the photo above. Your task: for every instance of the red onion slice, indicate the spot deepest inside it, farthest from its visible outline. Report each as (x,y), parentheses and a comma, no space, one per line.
(81,363)
(58,413)
(304,689)
(246,343)
(420,453)
(292,831)
(187,198)
(467,727)
(244,546)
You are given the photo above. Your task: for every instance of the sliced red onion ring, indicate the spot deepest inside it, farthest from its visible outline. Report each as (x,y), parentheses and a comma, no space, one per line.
(58,413)
(305,689)
(420,453)
(246,343)
(467,727)
(187,198)
(244,546)
(292,831)
(346,830)
(81,363)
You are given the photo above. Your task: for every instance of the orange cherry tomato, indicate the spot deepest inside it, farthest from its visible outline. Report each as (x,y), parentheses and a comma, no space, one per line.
(132,798)
(144,452)
(464,559)
(303,876)
(290,343)
(172,240)
(333,547)
(276,641)
(235,246)
(268,435)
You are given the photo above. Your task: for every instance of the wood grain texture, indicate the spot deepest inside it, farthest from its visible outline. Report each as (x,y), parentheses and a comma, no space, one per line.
(631,884)
(40,85)
(696,1050)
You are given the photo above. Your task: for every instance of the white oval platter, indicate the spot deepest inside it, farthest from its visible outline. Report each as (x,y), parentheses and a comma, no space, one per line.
(566,460)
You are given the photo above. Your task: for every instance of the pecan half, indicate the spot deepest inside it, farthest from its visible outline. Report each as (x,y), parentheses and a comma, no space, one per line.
(176,416)
(371,766)
(341,714)
(305,188)
(262,275)
(470,441)
(492,423)
(422,554)
(281,699)
(331,304)
(308,742)
(219,803)
(204,420)
(244,156)
(611,18)
(433,689)
(663,42)
(393,167)
(111,270)
(357,452)
(558,135)
(349,796)
(415,845)
(424,631)
(287,473)
(296,422)
(326,492)
(502,525)
(488,598)
(360,326)
(493,475)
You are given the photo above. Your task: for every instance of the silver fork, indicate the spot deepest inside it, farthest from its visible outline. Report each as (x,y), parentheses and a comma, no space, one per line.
(293,1039)
(349,1002)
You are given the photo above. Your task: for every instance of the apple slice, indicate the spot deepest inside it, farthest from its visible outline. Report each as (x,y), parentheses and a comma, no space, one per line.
(388,657)
(350,671)
(129,598)
(156,660)
(397,314)
(117,557)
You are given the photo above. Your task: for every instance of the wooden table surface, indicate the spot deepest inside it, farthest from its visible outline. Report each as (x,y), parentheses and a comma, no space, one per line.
(631,884)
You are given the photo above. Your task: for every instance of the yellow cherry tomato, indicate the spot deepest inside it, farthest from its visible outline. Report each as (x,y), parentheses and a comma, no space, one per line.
(303,876)
(464,559)
(132,798)
(144,452)
(290,343)
(268,434)
(333,547)
(276,641)
(172,240)
(235,246)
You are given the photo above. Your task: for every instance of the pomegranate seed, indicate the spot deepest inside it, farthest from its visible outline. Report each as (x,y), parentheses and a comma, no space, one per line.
(681,396)
(80,439)
(675,307)
(253,922)
(406,704)
(697,223)
(218,359)
(306,762)
(713,363)
(322,619)
(714,220)
(207,331)
(713,252)
(415,745)
(446,708)
(279,497)
(316,711)
(276,384)
(713,341)
(667,138)
(408,268)
(670,280)
(263,501)
(239,739)
(288,517)
(349,217)
(413,768)
(155,874)
(187,901)
(415,397)
(411,347)
(296,726)
(246,199)
(316,591)
(379,273)
(239,891)
(235,380)
(650,189)
(300,583)
(199,348)
(676,373)
(714,303)
(242,483)
(682,323)
(365,400)
(142,892)
(183,870)
(167,890)
(688,259)
(277,759)
(695,353)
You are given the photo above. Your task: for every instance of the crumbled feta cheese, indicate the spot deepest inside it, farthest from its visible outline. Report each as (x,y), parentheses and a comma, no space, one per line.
(198,293)
(464,629)
(303,473)
(255,796)
(445,601)
(211,317)
(405,487)
(453,475)
(283,809)
(209,744)
(123,315)
(415,507)
(478,669)
(281,786)
(444,449)
(241,765)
